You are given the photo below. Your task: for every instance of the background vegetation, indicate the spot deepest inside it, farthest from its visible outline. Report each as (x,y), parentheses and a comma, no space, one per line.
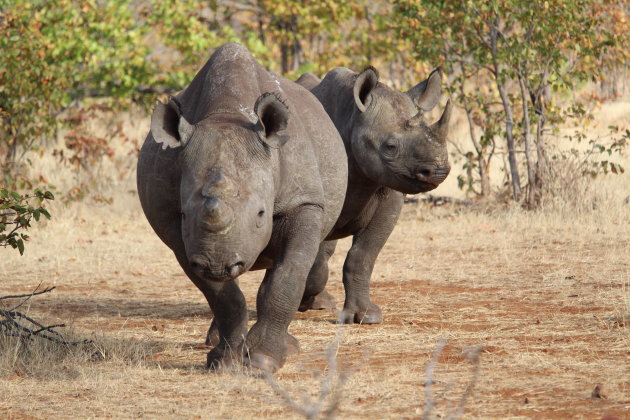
(517,69)
(509,64)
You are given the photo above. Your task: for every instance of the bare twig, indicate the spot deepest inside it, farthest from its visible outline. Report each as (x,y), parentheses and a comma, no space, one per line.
(28,295)
(428,381)
(473,356)
(429,403)
(331,387)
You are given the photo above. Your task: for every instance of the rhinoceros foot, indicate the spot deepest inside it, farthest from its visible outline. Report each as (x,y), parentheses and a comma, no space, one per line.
(371,315)
(323,300)
(261,361)
(212,339)
(267,354)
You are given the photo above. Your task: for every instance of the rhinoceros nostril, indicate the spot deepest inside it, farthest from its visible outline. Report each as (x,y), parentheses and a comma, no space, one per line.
(197,264)
(426,173)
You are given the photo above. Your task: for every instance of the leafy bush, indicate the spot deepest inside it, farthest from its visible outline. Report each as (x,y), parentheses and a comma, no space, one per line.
(16,213)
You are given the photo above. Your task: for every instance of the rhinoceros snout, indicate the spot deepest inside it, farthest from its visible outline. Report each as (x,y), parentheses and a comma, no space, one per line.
(433,175)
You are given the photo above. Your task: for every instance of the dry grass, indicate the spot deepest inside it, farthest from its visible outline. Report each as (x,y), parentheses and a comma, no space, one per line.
(545,294)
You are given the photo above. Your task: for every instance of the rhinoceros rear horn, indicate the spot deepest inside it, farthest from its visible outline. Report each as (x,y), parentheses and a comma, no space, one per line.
(273,118)
(363,87)
(168,125)
(427,93)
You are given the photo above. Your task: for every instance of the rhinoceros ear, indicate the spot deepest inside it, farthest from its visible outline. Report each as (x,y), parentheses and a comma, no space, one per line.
(273,118)
(168,125)
(427,93)
(363,87)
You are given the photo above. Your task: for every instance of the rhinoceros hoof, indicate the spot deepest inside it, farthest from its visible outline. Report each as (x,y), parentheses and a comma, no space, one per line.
(372,315)
(219,359)
(264,362)
(212,337)
(321,301)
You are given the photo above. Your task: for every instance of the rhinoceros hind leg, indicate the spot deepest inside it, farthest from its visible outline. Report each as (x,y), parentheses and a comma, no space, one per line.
(323,300)
(315,295)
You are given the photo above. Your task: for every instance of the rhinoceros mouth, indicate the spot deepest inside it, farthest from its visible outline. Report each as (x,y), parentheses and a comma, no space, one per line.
(216,272)
(415,185)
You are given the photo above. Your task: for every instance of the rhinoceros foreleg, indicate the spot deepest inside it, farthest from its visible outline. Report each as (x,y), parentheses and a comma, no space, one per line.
(230,310)
(357,269)
(315,294)
(279,295)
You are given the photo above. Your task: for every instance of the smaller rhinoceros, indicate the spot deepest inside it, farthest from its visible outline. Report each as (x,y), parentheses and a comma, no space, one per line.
(390,151)
(243,170)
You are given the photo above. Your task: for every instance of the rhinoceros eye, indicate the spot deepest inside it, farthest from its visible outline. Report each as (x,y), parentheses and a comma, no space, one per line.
(390,147)
(261,213)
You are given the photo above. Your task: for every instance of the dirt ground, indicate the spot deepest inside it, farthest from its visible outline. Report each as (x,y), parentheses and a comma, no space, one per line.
(544,297)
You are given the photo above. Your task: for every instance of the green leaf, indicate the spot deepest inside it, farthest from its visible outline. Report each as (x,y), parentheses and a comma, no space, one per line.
(20,245)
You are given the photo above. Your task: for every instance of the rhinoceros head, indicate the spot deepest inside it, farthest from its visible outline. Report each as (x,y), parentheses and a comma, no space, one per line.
(227,185)
(390,141)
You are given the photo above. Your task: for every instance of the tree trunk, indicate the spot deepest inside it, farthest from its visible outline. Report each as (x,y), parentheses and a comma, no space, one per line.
(484,174)
(509,125)
(284,58)
(541,164)
(483,164)
(509,114)
(531,182)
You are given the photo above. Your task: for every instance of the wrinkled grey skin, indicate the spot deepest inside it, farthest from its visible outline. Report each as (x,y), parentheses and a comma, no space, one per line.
(390,151)
(232,178)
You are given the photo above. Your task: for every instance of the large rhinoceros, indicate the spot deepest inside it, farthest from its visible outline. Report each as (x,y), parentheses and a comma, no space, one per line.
(390,151)
(243,170)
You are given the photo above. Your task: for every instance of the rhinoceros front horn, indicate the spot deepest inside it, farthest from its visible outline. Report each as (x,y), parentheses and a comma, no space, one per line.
(218,215)
(441,127)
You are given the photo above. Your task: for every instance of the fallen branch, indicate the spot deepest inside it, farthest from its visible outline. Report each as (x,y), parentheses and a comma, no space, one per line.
(17,324)
(437,200)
